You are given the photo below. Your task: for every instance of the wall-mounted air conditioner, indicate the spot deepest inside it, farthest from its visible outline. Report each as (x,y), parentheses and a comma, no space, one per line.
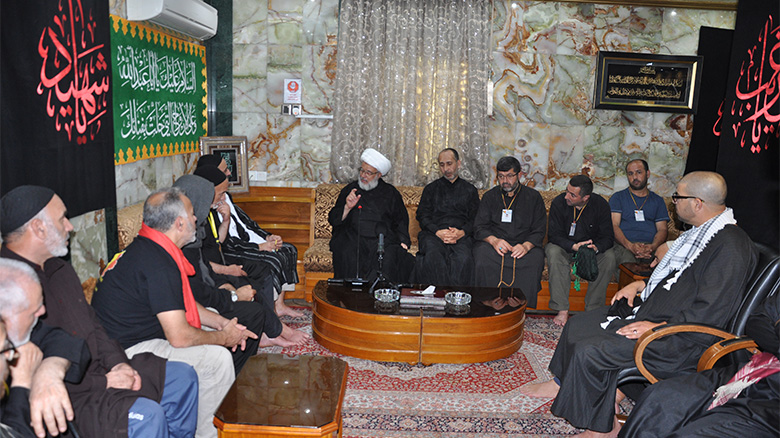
(190,17)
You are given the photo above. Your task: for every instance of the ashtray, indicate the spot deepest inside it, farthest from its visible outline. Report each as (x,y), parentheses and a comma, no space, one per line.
(457,298)
(387,295)
(452,309)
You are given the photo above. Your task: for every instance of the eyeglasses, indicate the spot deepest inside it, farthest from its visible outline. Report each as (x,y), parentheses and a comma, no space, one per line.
(676,197)
(366,172)
(9,347)
(506,177)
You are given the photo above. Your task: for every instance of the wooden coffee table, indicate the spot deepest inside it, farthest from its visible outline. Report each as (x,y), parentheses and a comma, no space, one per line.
(276,395)
(630,272)
(349,321)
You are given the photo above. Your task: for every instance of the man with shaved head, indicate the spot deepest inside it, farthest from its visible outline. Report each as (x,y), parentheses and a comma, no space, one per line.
(701,279)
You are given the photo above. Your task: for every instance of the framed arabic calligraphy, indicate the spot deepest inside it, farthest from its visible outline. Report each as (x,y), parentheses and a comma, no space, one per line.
(643,82)
(233,151)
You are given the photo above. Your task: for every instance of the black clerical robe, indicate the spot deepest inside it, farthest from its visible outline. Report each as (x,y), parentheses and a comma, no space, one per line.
(283,263)
(528,223)
(379,211)
(446,204)
(588,358)
(678,407)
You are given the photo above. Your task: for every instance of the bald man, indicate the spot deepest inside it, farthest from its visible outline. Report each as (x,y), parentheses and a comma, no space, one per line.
(701,279)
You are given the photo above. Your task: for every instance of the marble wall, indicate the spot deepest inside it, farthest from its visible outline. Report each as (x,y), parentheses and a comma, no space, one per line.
(543,65)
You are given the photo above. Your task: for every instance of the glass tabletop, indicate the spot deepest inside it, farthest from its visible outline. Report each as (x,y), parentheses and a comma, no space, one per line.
(278,390)
(485,301)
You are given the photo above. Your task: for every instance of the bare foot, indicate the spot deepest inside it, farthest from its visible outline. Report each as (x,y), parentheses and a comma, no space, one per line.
(265,341)
(561,318)
(548,389)
(295,336)
(611,434)
(282,308)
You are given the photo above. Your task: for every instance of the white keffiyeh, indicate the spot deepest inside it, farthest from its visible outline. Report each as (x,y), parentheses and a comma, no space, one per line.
(681,255)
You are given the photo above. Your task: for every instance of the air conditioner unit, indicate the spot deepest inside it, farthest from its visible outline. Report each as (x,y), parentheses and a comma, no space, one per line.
(190,17)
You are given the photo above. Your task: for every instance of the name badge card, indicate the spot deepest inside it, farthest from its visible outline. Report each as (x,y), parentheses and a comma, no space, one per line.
(572,229)
(639,215)
(506,215)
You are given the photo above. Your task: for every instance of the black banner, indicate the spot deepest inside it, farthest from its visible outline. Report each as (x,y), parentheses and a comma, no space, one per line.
(715,47)
(748,156)
(56,127)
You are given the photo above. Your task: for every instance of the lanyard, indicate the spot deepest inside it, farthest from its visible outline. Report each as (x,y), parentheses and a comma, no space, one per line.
(511,202)
(577,216)
(216,236)
(632,198)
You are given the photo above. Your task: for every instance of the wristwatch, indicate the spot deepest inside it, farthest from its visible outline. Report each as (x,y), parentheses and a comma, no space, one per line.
(233,296)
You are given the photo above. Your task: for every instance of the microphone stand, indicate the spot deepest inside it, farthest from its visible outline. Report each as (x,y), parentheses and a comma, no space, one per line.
(380,276)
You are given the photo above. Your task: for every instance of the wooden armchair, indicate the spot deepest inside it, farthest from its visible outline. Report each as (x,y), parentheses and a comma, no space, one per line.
(764,282)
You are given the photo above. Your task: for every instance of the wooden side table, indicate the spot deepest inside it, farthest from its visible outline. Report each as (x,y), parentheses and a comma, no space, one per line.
(630,272)
(276,395)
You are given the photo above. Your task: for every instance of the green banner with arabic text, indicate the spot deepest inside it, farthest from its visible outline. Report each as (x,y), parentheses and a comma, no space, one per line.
(159,92)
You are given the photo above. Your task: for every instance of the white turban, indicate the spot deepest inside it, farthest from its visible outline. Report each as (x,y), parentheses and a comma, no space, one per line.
(373,158)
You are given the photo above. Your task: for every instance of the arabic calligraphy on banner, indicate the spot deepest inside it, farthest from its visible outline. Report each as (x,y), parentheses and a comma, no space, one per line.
(159,92)
(755,110)
(74,76)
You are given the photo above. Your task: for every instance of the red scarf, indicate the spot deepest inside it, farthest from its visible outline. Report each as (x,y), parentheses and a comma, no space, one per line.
(185,269)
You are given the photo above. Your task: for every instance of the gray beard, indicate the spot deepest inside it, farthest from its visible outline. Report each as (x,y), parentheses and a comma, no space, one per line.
(369,186)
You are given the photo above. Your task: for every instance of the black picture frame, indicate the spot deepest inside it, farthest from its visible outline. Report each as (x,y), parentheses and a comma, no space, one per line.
(233,151)
(645,82)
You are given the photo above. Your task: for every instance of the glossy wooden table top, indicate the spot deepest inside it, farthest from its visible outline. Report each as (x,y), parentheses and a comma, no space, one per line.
(485,301)
(281,391)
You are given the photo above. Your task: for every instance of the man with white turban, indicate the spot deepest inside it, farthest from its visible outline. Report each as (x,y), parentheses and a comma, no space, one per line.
(365,209)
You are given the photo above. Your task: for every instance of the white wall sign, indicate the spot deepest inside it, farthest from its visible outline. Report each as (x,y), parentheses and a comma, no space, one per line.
(292,91)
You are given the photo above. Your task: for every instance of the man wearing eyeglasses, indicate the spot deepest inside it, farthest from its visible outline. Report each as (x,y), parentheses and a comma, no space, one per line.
(364,210)
(701,279)
(41,358)
(578,217)
(639,217)
(509,232)
(140,397)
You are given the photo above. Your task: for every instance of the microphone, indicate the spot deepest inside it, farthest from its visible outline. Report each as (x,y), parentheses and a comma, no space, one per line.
(380,248)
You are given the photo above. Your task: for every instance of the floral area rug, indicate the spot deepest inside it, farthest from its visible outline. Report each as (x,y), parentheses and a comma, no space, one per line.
(389,399)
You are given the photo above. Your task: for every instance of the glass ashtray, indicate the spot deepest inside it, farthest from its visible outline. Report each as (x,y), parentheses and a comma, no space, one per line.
(387,295)
(457,298)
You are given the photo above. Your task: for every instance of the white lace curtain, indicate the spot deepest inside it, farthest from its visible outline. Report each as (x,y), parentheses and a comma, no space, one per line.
(412,80)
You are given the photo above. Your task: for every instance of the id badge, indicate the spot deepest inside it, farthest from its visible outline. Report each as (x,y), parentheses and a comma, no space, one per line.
(572,229)
(506,215)
(639,215)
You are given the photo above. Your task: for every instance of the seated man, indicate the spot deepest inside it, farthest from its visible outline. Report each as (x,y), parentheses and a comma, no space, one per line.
(701,279)
(639,217)
(751,409)
(242,239)
(144,300)
(219,293)
(140,397)
(256,272)
(511,222)
(365,209)
(15,409)
(446,216)
(578,217)
(42,358)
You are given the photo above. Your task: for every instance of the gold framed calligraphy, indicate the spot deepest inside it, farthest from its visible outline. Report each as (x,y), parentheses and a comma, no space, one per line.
(643,82)
(233,151)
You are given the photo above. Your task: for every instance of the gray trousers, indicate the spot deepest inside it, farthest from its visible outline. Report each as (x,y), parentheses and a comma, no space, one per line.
(559,263)
(216,373)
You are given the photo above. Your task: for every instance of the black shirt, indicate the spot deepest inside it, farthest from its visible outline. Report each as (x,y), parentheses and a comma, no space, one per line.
(594,221)
(447,204)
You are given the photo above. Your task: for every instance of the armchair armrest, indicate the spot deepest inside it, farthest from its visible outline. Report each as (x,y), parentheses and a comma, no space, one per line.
(724,347)
(666,330)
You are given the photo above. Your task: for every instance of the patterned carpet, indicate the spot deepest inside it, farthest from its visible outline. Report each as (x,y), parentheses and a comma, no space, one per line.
(388,399)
